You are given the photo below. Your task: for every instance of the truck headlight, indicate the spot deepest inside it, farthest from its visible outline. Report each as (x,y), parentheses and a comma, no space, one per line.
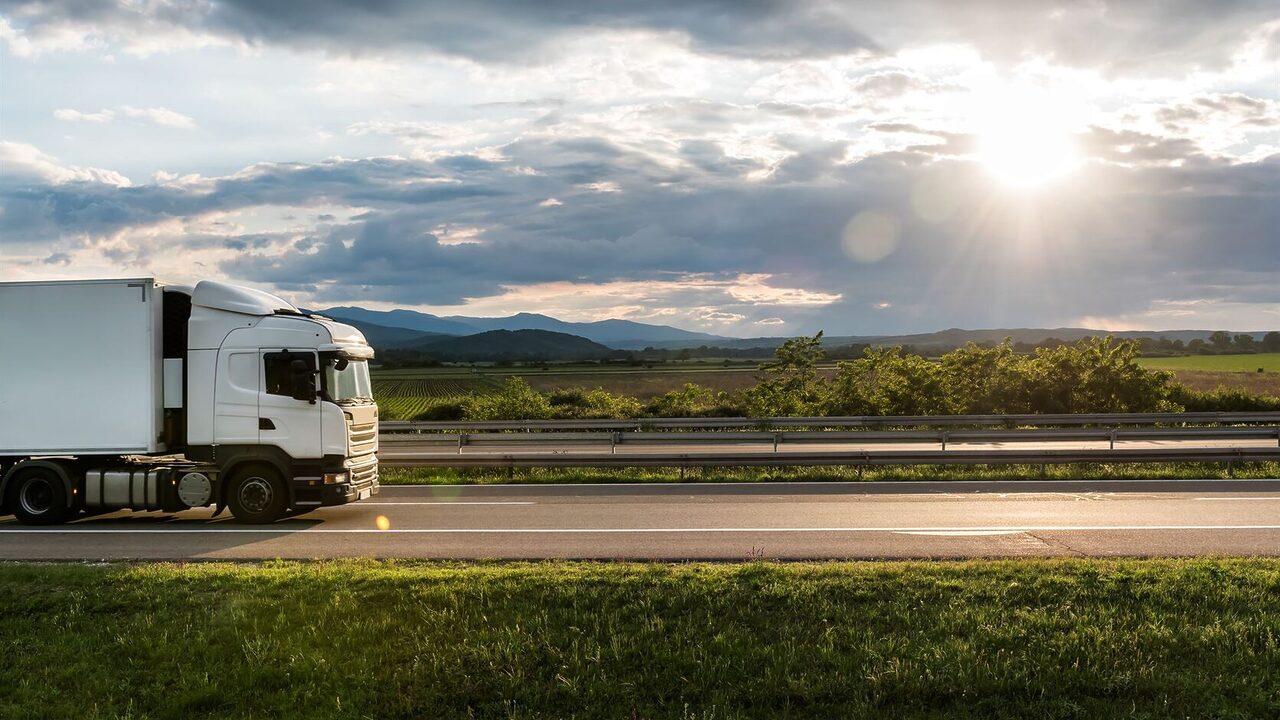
(335,478)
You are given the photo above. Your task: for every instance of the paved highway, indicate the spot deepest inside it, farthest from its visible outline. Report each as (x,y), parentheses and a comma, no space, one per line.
(711,521)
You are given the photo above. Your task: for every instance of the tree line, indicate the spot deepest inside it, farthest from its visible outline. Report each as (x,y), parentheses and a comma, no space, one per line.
(1094,375)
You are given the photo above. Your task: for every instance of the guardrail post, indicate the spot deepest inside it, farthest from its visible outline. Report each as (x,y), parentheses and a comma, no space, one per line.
(613,442)
(776,437)
(1113,438)
(944,441)
(462,440)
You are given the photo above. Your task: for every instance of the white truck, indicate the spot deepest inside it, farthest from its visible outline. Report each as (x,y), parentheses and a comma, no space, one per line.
(133,394)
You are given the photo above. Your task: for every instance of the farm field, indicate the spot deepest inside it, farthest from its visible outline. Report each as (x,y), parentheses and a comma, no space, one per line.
(1269,362)
(1267,383)
(1210,372)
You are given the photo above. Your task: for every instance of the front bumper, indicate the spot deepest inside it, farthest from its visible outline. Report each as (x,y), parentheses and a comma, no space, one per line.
(312,492)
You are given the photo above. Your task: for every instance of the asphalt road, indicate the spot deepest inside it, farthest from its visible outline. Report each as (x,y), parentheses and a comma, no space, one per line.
(710,521)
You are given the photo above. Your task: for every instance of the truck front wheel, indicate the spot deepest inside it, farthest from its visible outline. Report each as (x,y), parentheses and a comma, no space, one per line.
(257,494)
(39,498)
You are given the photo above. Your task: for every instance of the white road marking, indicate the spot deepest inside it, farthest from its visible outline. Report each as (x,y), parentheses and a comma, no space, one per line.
(364,503)
(810,484)
(1238,498)
(588,531)
(958,533)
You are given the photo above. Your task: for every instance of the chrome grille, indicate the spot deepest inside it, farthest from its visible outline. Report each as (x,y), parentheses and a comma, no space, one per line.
(362,439)
(365,473)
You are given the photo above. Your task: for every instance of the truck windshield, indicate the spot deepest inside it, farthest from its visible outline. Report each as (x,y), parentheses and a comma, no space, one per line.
(348,385)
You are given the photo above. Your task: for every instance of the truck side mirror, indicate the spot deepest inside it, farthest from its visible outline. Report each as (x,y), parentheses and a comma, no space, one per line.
(304,388)
(304,381)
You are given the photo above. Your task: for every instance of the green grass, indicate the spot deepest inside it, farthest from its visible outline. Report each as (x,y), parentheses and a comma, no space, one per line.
(1269,362)
(1043,639)
(1079,471)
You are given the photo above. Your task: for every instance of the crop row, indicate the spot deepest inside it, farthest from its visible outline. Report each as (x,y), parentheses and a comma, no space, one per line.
(404,398)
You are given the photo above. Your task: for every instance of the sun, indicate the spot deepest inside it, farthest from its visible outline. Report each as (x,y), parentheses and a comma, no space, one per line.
(1024,143)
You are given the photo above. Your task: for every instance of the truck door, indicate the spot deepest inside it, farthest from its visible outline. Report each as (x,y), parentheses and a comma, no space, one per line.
(285,418)
(235,414)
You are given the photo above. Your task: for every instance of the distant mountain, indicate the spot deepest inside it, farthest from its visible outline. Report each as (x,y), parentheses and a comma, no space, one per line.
(383,336)
(510,345)
(408,319)
(623,334)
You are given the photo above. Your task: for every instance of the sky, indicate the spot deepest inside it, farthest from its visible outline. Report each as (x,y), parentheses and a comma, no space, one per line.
(741,167)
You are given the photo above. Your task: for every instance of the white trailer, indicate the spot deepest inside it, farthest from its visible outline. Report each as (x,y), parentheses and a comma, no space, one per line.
(130,394)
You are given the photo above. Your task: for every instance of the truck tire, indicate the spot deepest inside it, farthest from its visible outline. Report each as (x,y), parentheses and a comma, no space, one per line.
(257,494)
(38,497)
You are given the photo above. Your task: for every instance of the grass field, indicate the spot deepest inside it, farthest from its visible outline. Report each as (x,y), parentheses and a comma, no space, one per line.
(1269,362)
(1252,382)
(1041,638)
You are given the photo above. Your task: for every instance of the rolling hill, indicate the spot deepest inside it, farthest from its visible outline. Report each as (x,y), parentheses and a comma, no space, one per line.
(623,334)
(496,345)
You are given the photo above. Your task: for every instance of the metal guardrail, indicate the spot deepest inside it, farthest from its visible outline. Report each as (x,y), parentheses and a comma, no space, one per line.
(727,442)
(851,458)
(613,440)
(854,421)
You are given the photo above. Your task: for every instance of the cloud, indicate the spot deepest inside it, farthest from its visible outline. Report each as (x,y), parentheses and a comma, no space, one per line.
(154,115)
(25,163)
(1148,35)
(69,115)
(159,116)
(703,246)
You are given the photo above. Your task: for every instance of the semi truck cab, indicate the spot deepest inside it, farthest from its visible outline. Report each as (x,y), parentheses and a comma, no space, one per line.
(167,397)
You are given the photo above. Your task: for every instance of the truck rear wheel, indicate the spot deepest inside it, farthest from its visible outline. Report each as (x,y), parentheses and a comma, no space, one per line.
(257,494)
(38,497)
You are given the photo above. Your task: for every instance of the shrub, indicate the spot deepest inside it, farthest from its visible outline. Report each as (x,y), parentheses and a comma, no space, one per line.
(1224,399)
(693,401)
(573,403)
(443,410)
(516,401)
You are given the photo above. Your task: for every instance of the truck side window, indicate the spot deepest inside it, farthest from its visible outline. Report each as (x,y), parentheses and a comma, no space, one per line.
(278,368)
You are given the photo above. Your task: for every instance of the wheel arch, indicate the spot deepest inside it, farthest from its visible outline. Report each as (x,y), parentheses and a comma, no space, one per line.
(232,459)
(63,468)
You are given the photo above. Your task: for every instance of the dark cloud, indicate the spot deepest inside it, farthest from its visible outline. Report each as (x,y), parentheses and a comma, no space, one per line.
(965,253)
(1154,35)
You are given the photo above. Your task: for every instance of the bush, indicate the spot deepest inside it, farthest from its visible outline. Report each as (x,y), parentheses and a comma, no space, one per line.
(443,410)
(1224,399)
(694,401)
(578,403)
(516,401)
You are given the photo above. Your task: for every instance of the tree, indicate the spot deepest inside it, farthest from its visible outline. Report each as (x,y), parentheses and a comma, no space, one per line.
(887,381)
(1243,342)
(789,385)
(1271,341)
(1220,340)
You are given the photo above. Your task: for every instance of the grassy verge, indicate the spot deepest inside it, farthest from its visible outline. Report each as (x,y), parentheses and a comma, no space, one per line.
(1080,471)
(1045,639)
